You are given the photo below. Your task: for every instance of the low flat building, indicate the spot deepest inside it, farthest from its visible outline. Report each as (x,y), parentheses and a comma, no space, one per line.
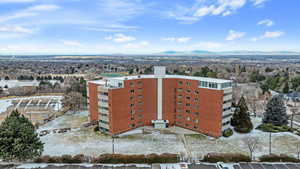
(200,104)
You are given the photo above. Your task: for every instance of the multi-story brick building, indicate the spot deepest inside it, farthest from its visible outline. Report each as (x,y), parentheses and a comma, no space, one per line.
(121,104)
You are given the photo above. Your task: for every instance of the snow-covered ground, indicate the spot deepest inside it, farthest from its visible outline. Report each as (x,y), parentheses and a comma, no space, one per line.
(5,103)
(17,83)
(81,140)
(85,141)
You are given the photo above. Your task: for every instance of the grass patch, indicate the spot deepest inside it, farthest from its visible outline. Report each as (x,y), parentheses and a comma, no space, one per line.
(196,136)
(275,129)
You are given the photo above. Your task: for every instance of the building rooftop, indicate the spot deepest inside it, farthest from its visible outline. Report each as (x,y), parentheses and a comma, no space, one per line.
(213,80)
(159,72)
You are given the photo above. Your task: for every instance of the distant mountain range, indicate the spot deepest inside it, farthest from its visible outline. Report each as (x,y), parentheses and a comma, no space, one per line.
(237,52)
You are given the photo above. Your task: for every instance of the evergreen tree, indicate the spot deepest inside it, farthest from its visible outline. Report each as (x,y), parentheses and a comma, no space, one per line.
(241,119)
(276,112)
(286,88)
(18,139)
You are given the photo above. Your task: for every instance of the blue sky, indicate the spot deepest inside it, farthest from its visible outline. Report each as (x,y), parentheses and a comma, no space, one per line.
(148,26)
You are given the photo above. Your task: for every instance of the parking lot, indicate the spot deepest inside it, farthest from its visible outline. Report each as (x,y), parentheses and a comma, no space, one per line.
(171,166)
(249,166)
(89,166)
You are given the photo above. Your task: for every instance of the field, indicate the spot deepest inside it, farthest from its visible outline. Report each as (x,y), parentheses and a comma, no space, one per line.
(81,140)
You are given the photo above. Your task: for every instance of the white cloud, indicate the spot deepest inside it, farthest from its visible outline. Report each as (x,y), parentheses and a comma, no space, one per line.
(15,29)
(268,34)
(266,22)
(258,3)
(177,39)
(274,34)
(205,8)
(232,35)
(71,43)
(120,38)
(28,12)
(43,8)
(16,1)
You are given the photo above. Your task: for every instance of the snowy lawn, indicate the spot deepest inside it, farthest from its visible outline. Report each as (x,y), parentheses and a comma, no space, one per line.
(82,140)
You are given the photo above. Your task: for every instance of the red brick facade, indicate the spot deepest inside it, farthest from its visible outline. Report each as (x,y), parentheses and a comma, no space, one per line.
(184,104)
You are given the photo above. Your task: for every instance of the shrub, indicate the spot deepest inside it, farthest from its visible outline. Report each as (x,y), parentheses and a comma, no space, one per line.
(225,157)
(66,159)
(42,159)
(267,127)
(62,159)
(278,158)
(55,159)
(80,158)
(96,129)
(151,158)
(227,132)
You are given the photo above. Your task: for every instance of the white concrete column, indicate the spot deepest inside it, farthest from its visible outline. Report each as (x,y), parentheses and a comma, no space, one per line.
(159,98)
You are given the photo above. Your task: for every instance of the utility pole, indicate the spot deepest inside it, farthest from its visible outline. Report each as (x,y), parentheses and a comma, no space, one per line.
(113,144)
(270,143)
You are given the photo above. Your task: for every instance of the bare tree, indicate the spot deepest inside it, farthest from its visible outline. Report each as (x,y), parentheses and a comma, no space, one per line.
(252,143)
(74,101)
(253,105)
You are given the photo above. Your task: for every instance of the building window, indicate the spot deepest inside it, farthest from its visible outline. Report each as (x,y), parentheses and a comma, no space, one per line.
(179,96)
(196,92)
(140,83)
(140,116)
(226,85)
(213,85)
(140,110)
(188,111)
(180,83)
(132,118)
(131,112)
(140,123)
(203,84)
(140,96)
(188,118)
(132,91)
(179,116)
(187,83)
(187,104)
(140,90)
(179,89)
(131,84)
(140,103)
(196,121)
(188,91)
(131,105)
(131,125)
(196,113)
(196,99)
(179,102)
(228,108)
